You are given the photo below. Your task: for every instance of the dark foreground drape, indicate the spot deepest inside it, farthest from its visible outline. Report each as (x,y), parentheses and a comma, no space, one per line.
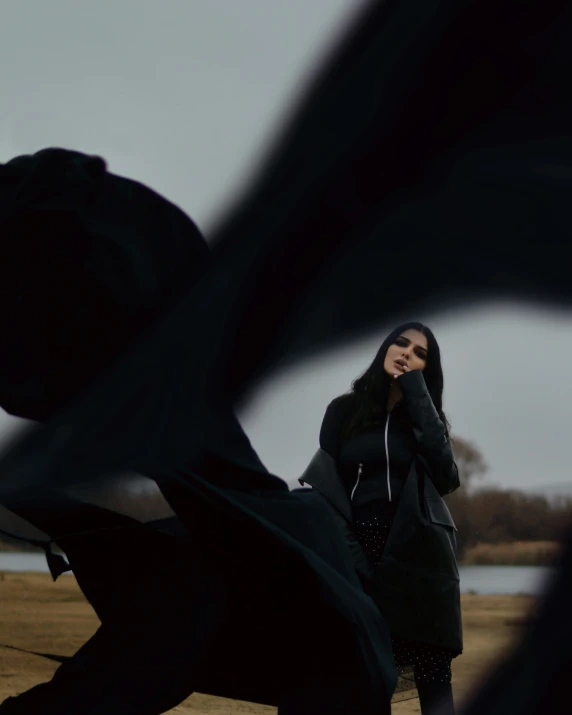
(222,597)
(428,166)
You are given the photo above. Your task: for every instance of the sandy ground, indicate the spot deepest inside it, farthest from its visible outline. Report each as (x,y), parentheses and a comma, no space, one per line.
(55,618)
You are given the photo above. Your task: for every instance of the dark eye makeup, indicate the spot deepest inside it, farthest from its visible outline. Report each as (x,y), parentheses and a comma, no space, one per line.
(404,342)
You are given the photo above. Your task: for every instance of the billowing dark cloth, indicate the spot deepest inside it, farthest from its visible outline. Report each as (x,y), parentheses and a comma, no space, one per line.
(136,583)
(283,575)
(437,139)
(414,579)
(225,612)
(89,261)
(177,617)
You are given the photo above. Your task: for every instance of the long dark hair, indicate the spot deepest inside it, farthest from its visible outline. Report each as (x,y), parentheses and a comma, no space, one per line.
(370,392)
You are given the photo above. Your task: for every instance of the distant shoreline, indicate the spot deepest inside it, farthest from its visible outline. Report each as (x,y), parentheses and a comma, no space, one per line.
(14,546)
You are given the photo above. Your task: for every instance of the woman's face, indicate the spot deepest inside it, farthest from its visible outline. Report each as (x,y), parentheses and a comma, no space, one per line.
(408,351)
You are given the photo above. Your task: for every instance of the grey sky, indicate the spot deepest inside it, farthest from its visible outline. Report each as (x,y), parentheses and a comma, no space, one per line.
(184,95)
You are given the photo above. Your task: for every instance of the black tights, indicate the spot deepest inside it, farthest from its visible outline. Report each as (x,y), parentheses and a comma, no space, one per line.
(436,698)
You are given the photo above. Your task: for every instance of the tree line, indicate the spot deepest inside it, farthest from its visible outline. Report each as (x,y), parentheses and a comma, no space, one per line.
(493,515)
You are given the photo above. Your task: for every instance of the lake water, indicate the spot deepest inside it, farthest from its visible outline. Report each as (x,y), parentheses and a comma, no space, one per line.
(15,561)
(527,580)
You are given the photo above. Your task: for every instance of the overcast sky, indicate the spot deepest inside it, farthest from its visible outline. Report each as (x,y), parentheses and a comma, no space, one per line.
(184,95)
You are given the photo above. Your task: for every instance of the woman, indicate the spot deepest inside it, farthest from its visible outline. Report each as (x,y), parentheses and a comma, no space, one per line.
(390,463)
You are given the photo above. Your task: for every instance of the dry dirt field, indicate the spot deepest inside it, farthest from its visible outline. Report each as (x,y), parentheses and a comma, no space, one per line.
(55,618)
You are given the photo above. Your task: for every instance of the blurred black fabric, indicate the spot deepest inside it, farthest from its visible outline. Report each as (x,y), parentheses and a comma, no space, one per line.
(429,165)
(230,588)
(89,261)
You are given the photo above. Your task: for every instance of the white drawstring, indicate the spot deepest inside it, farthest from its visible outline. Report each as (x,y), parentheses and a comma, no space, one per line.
(356,484)
(387,455)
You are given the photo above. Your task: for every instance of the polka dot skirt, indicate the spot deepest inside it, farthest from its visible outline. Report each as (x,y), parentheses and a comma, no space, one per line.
(430,663)
(372,534)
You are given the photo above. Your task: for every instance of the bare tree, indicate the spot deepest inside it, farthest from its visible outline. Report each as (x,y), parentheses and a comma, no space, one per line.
(471,465)
(470,461)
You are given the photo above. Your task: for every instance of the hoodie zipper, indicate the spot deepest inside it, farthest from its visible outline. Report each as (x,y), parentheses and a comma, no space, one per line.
(359,471)
(387,454)
(360,466)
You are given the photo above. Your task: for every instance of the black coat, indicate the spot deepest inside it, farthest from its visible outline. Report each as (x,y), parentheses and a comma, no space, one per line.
(416,585)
